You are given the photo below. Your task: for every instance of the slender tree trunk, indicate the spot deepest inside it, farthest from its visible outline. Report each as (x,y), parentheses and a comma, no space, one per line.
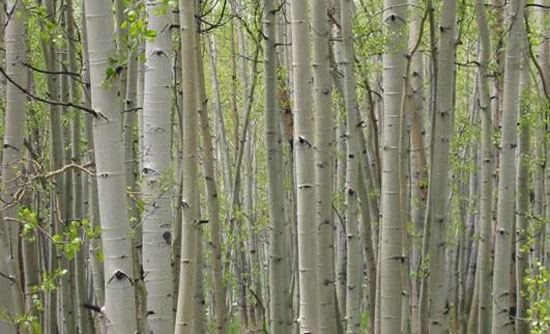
(354,267)
(506,181)
(418,168)
(12,155)
(340,179)
(218,106)
(95,247)
(323,174)
(484,244)
(390,239)
(119,309)
(190,198)
(522,197)
(439,178)
(367,232)
(279,264)
(157,219)
(212,201)
(308,318)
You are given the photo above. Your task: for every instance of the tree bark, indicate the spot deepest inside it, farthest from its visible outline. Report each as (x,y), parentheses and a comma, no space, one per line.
(323,166)
(12,156)
(308,318)
(119,309)
(279,263)
(157,218)
(390,239)
(190,198)
(501,319)
(439,169)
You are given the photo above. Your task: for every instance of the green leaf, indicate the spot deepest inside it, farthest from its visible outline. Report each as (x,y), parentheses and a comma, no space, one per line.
(132,15)
(110,72)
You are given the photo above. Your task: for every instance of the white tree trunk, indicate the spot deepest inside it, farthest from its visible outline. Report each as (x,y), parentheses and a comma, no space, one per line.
(323,163)
(190,198)
(279,264)
(439,177)
(522,196)
(390,238)
(120,314)
(13,149)
(308,318)
(501,319)
(157,218)
(483,258)
(354,268)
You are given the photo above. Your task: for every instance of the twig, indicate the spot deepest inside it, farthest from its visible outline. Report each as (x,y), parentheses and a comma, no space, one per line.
(95,113)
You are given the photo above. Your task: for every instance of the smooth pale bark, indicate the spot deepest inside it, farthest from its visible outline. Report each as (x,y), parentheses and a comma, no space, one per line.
(522,197)
(199,315)
(131,163)
(212,202)
(366,232)
(157,218)
(353,267)
(502,322)
(120,313)
(279,264)
(418,168)
(439,178)
(135,60)
(178,162)
(94,247)
(308,318)
(190,195)
(484,244)
(323,171)
(340,177)
(390,239)
(14,125)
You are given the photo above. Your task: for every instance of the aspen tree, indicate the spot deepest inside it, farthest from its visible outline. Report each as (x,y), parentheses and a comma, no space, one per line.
(390,234)
(190,198)
(94,247)
(340,177)
(308,318)
(279,261)
(522,195)
(417,165)
(483,271)
(120,314)
(501,319)
(323,172)
(353,268)
(212,200)
(439,179)
(157,218)
(14,124)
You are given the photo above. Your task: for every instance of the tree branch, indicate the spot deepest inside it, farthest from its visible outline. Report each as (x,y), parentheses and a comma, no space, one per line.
(91,111)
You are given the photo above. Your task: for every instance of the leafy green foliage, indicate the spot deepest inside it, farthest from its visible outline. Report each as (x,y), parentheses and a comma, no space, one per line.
(538,314)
